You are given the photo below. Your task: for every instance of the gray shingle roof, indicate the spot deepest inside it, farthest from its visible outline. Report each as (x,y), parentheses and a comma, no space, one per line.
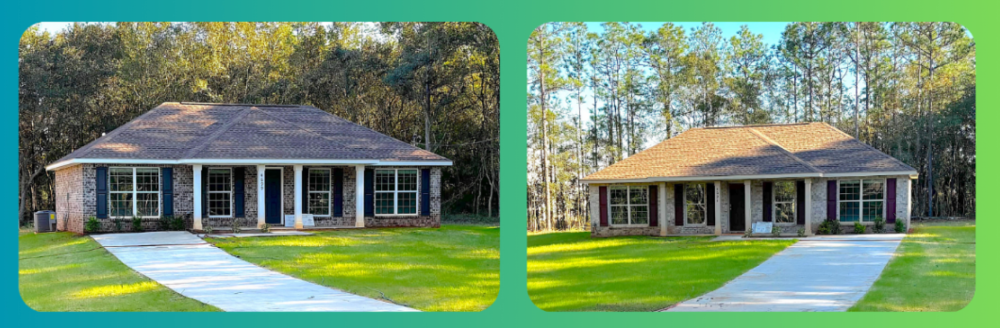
(806,149)
(178,131)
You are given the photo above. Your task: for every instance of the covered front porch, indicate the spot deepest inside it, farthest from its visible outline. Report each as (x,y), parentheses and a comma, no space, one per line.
(733,206)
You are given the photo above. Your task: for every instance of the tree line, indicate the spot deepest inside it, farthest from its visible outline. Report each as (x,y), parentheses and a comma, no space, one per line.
(596,97)
(435,85)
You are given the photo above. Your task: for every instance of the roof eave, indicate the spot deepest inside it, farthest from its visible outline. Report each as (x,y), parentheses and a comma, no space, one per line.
(234,161)
(910,174)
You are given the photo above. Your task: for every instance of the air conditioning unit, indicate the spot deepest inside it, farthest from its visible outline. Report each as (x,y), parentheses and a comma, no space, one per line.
(45,221)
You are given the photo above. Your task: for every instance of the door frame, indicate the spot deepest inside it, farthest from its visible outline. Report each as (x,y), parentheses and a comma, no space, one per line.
(281,192)
(742,199)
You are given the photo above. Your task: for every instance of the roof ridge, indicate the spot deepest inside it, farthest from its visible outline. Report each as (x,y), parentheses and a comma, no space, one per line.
(198,103)
(772,142)
(215,135)
(751,126)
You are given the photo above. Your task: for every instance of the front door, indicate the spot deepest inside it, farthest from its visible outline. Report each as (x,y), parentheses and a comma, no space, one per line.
(272,196)
(737,213)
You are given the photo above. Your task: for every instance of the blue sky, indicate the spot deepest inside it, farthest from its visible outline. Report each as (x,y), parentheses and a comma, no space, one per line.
(770,30)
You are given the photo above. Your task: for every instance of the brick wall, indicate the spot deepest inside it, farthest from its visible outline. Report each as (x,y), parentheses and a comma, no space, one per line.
(432,220)
(69,199)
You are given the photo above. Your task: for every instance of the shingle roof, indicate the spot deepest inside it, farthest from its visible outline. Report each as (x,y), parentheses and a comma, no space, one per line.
(807,149)
(177,131)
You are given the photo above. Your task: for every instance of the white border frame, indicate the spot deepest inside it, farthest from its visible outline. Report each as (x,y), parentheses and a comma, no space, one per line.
(208,192)
(395,192)
(795,205)
(329,192)
(861,200)
(135,192)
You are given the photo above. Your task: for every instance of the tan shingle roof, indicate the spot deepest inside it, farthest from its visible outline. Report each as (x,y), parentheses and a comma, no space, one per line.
(175,131)
(806,149)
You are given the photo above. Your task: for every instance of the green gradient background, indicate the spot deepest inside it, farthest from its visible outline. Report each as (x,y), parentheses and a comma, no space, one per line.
(512,21)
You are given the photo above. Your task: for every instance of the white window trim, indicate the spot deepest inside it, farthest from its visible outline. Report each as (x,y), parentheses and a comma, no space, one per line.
(328,192)
(208,192)
(395,192)
(628,207)
(684,194)
(795,210)
(135,192)
(861,201)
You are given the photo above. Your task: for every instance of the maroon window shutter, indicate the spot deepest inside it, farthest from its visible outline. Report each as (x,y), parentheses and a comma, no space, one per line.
(679,204)
(800,202)
(604,205)
(710,203)
(654,208)
(768,186)
(831,200)
(890,201)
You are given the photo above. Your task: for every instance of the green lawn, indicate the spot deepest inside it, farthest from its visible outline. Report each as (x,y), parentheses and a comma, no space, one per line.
(64,272)
(934,270)
(453,268)
(570,271)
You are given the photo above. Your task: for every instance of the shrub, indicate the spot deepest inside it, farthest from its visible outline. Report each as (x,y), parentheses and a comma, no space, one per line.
(900,226)
(118,224)
(835,228)
(860,228)
(879,225)
(236,226)
(164,222)
(207,229)
(775,230)
(136,224)
(802,232)
(92,225)
(748,233)
(177,224)
(265,228)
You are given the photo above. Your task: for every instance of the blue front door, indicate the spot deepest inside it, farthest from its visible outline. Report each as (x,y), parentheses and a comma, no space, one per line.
(272,196)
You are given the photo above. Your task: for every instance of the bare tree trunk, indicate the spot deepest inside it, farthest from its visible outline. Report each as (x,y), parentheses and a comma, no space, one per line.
(25,186)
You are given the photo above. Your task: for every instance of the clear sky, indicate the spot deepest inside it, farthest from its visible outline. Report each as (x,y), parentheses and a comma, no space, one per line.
(770,30)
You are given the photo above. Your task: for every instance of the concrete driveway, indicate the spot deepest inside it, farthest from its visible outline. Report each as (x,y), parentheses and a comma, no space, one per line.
(190,266)
(823,273)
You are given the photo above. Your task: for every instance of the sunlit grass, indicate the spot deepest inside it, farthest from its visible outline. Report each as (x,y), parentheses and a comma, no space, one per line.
(452,268)
(570,271)
(65,272)
(934,269)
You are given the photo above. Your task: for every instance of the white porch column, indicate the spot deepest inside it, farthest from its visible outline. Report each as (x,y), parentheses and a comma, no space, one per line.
(662,217)
(261,200)
(359,196)
(718,208)
(809,211)
(197,196)
(747,205)
(298,196)
(909,203)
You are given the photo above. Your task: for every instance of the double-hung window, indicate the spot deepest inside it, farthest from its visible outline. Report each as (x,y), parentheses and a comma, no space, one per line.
(220,192)
(784,201)
(694,202)
(396,192)
(629,205)
(319,192)
(861,200)
(134,191)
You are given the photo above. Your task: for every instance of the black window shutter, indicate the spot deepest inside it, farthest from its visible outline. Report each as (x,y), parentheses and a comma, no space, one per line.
(338,192)
(800,202)
(831,200)
(604,206)
(167,186)
(654,208)
(369,192)
(425,192)
(679,204)
(890,200)
(710,203)
(305,190)
(102,192)
(204,192)
(768,189)
(239,175)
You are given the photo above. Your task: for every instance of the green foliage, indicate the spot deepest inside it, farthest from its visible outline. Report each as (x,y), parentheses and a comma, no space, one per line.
(775,230)
(208,229)
(748,233)
(164,222)
(900,226)
(860,228)
(119,224)
(137,224)
(879,226)
(829,227)
(177,224)
(802,232)
(265,228)
(92,225)
(237,226)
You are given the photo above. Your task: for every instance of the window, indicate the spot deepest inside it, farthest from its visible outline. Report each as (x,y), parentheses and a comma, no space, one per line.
(861,200)
(694,200)
(220,193)
(629,205)
(319,192)
(396,192)
(134,191)
(784,201)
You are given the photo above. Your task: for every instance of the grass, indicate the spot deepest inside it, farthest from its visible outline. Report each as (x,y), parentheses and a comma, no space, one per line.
(570,271)
(452,268)
(64,272)
(934,269)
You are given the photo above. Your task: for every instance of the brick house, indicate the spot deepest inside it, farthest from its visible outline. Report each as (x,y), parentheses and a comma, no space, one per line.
(213,163)
(721,180)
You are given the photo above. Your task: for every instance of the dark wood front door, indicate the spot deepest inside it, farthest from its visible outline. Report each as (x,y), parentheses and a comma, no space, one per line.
(272,196)
(737,212)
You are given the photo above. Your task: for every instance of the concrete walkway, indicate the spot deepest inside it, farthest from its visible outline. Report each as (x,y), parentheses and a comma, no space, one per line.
(190,266)
(823,273)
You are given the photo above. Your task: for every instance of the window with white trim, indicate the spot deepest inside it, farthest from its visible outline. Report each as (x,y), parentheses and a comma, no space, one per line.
(694,202)
(220,192)
(784,201)
(861,200)
(319,192)
(396,192)
(629,205)
(134,192)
